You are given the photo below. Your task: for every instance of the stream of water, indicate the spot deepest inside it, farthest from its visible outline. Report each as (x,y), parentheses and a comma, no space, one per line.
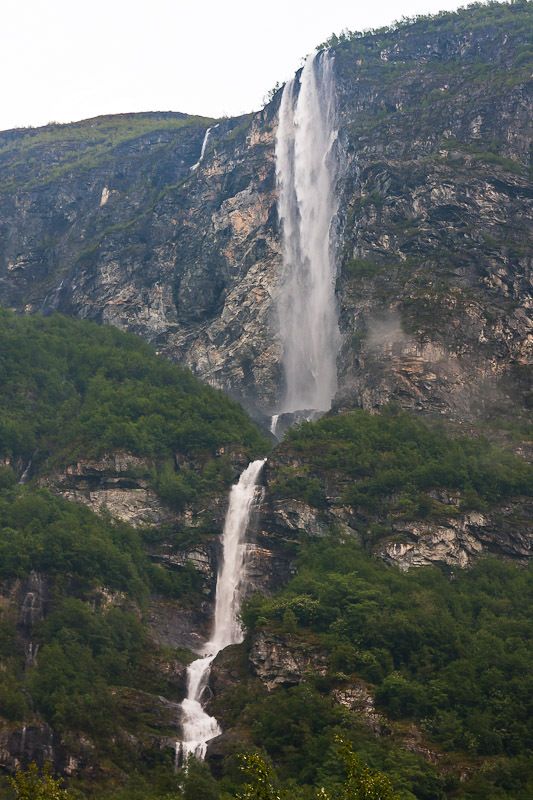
(197,725)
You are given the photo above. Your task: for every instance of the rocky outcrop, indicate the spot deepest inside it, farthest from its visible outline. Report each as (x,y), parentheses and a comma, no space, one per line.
(33,597)
(160,720)
(357,697)
(449,537)
(117,483)
(279,662)
(20,745)
(457,542)
(173,625)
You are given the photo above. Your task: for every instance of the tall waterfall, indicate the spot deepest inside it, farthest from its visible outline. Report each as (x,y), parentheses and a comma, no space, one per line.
(306,172)
(198,726)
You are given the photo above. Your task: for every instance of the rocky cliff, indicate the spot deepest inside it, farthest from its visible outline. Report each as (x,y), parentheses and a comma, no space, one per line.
(106,220)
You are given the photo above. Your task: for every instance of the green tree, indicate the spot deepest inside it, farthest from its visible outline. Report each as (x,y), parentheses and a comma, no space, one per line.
(362,783)
(261,779)
(29,784)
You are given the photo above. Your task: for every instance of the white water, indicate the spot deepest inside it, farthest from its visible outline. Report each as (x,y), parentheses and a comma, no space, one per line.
(306,173)
(204,146)
(274,424)
(198,726)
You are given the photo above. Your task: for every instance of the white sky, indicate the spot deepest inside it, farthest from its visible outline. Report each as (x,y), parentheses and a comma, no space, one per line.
(67,60)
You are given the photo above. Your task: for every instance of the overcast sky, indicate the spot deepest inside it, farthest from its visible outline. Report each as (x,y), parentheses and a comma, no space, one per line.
(67,60)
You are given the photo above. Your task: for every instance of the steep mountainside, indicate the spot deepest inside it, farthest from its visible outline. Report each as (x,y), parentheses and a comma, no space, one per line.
(97,596)
(114,473)
(106,220)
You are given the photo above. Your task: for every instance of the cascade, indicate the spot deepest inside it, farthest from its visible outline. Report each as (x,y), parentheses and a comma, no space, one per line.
(204,146)
(198,726)
(306,174)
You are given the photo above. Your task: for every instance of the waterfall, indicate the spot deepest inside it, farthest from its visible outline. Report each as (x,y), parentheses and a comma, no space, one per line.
(306,173)
(198,726)
(204,146)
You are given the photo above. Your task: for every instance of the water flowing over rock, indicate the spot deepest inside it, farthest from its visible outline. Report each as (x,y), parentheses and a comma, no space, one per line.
(204,147)
(198,726)
(306,171)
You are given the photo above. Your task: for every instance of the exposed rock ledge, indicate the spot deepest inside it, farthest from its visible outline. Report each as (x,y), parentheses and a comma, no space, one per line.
(457,542)
(283,661)
(116,483)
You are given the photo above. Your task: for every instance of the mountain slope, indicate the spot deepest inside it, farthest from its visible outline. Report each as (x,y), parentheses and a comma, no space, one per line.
(99,611)
(97,608)
(435,223)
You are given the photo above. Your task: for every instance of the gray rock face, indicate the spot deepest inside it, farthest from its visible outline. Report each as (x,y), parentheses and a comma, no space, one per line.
(453,540)
(458,542)
(357,697)
(278,662)
(19,746)
(117,483)
(172,625)
(34,594)
(434,283)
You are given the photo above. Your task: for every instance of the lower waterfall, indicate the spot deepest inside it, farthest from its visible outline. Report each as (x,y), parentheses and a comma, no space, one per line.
(198,727)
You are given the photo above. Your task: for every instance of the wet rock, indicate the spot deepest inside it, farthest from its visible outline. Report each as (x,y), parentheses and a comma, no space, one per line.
(174,625)
(34,596)
(229,743)
(434,277)
(22,744)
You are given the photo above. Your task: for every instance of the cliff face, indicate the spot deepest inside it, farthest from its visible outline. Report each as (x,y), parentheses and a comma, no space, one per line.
(436,280)
(139,240)
(455,540)
(435,214)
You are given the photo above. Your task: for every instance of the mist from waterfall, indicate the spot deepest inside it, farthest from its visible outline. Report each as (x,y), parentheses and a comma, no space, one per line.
(306,174)
(198,727)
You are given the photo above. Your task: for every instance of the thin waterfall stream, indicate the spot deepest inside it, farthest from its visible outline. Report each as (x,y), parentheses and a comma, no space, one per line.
(198,726)
(204,147)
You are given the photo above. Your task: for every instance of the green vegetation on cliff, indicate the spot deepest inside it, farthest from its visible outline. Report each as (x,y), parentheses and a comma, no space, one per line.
(451,655)
(71,389)
(92,578)
(81,145)
(444,654)
(76,584)
(394,463)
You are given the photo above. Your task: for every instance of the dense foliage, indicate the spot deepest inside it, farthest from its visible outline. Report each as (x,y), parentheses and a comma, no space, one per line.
(393,463)
(360,783)
(71,389)
(97,577)
(452,655)
(30,785)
